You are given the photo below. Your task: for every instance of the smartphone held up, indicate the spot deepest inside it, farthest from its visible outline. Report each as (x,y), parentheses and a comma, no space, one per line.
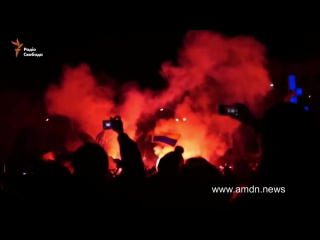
(106,124)
(112,123)
(227,110)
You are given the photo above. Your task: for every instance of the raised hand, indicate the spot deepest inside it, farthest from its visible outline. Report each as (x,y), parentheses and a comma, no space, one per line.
(243,115)
(116,124)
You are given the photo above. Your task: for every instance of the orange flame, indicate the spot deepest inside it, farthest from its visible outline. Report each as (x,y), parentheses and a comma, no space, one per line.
(213,69)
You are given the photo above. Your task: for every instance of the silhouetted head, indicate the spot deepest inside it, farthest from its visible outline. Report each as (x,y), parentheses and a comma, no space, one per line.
(90,161)
(288,133)
(49,178)
(198,172)
(197,178)
(171,163)
(50,170)
(179,150)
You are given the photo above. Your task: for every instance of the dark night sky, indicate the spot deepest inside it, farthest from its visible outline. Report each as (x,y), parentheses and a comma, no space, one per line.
(128,55)
(132,55)
(83,35)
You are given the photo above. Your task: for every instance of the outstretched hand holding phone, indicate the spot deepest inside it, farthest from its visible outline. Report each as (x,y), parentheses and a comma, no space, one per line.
(241,113)
(131,161)
(116,124)
(244,115)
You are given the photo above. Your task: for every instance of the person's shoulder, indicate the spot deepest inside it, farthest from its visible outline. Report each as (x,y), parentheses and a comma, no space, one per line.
(152,180)
(153,177)
(244,201)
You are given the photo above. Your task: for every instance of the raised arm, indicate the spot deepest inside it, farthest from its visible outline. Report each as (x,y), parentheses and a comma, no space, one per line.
(245,116)
(131,159)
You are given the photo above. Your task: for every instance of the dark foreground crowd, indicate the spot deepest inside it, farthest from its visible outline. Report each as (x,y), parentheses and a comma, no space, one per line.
(288,142)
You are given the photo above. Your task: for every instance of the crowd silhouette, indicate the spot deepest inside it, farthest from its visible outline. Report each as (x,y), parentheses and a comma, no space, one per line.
(288,143)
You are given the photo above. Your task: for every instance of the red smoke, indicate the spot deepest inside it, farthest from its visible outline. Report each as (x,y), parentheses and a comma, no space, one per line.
(214,69)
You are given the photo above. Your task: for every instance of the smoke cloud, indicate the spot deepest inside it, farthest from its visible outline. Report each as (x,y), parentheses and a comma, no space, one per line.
(212,69)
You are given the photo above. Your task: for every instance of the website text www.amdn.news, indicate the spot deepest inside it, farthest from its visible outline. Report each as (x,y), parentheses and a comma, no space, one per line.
(251,189)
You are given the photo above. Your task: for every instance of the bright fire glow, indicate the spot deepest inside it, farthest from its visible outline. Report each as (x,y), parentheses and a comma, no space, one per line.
(50,156)
(69,166)
(213,69)
(157,163)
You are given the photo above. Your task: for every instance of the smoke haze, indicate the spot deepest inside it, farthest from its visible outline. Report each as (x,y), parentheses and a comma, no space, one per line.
(212,69)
